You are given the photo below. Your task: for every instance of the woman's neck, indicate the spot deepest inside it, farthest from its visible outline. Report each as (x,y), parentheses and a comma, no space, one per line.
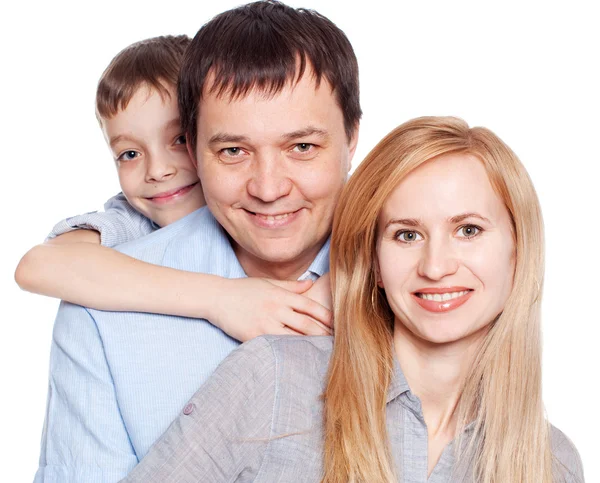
(436,373)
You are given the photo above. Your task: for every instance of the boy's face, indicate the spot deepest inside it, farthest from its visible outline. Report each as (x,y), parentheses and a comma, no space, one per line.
(155,171)
(272,168)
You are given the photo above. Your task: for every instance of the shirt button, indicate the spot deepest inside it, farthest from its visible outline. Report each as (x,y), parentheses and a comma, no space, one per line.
(189,409)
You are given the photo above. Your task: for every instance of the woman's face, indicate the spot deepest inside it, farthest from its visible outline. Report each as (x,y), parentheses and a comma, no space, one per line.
(445,250)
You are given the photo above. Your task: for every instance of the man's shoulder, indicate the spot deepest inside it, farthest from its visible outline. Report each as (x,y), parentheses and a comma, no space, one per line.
(566,461)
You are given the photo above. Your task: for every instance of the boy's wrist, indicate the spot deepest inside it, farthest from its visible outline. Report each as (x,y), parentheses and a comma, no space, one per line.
(212,299)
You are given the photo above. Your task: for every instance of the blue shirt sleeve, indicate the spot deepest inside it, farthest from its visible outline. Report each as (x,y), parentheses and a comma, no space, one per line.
(84,437)
(118,223)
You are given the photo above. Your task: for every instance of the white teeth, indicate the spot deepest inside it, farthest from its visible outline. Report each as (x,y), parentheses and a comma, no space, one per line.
(273,218)
(442,297)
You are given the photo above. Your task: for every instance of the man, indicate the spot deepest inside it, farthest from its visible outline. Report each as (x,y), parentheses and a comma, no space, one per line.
(269,101)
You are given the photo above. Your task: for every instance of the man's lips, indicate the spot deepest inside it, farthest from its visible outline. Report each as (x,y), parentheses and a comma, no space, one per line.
(442,299)
(167,196)
(273,220)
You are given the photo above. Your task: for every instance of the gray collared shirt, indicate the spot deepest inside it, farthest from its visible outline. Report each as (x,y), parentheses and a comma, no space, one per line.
(258,418)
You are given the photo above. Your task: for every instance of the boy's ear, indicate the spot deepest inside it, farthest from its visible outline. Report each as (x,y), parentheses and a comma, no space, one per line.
(192,155)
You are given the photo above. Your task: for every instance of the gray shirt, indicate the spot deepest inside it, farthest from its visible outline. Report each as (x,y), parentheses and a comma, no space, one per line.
(258,418)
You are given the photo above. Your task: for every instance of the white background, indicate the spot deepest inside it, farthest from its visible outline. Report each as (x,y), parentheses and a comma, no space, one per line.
(528,71)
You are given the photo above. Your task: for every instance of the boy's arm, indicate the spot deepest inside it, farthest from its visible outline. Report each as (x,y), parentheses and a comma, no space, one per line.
(75,268)
(84,436)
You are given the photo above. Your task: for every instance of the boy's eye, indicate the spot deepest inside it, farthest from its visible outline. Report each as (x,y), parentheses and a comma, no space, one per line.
(181,139)
(469,231)
(408,236)
(128,155)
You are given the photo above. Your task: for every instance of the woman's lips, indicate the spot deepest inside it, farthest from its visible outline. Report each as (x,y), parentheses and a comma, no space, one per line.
(169,196)
(442,300)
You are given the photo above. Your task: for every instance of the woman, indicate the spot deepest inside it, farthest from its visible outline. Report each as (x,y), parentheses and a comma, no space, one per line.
(435,369)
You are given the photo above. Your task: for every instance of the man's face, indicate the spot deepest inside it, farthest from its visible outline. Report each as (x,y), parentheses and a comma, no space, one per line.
(272,168)
(155,171)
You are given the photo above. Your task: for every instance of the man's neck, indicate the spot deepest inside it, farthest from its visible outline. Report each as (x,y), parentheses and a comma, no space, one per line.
(277,270)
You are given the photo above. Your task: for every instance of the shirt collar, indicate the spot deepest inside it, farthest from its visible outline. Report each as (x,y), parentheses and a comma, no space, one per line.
(320,265)
(398,384)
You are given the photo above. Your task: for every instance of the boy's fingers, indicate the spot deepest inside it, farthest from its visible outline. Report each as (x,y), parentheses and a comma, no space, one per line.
(295,286)
(315,310)
(306,325)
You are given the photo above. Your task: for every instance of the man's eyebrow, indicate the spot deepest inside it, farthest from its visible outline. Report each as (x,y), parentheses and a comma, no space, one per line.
(224,137)
(464,216)
(308,131)
(403,221)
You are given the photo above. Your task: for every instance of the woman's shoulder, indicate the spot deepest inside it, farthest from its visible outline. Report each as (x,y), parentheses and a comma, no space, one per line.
(289,350)
(298,350)
(567,462)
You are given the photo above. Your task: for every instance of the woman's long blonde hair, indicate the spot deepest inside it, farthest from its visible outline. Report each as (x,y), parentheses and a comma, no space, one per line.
(503,393)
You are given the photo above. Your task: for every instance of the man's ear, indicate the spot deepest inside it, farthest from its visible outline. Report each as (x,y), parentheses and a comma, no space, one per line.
(191,153)
(352,143)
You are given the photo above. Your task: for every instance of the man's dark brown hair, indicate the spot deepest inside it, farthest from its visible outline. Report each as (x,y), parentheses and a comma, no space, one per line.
(265,45)
(152,62)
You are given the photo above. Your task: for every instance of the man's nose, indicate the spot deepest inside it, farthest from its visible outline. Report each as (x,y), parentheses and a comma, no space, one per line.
(159,167)
(438,259)
(270,178)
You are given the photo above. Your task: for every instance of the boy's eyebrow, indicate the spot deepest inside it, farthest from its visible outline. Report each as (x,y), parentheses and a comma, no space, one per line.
(175,122)
(115,139)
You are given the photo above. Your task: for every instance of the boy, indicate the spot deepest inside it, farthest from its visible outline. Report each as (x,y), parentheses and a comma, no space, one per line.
(136,106)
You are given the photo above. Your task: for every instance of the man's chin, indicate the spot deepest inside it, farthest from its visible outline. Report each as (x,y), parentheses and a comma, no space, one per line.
(276,258)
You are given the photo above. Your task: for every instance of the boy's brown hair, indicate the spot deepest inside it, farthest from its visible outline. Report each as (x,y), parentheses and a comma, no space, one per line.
(154,62)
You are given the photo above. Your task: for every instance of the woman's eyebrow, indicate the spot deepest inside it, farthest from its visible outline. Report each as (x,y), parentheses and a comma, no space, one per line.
(464,216)
(404,221)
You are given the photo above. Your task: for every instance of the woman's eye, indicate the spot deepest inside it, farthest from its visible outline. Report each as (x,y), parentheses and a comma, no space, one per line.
(469,231)
(408,236)
(180,139)
(128,155)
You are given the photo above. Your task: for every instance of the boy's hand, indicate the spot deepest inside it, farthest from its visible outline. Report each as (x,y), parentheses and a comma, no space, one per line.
(321,292)
(248,307)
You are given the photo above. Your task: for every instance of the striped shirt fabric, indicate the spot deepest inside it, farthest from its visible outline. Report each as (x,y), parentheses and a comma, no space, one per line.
(118,379)
(259,419)
(118,223)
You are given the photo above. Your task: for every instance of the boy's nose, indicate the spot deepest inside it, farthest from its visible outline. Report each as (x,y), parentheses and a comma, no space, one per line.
(159,168)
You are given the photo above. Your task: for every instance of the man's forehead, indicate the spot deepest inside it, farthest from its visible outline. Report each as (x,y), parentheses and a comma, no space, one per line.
(231,89)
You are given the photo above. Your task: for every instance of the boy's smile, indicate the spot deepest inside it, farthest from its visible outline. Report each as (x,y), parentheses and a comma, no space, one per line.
(155,171)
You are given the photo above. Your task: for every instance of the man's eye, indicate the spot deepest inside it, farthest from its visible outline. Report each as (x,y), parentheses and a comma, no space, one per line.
(128,155)
(469,231)
(303,147)
(181,139)
(231,151)
(408,236)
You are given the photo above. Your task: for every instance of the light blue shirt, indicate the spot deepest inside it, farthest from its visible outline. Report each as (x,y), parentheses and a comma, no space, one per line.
(118,223)
(118,379)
